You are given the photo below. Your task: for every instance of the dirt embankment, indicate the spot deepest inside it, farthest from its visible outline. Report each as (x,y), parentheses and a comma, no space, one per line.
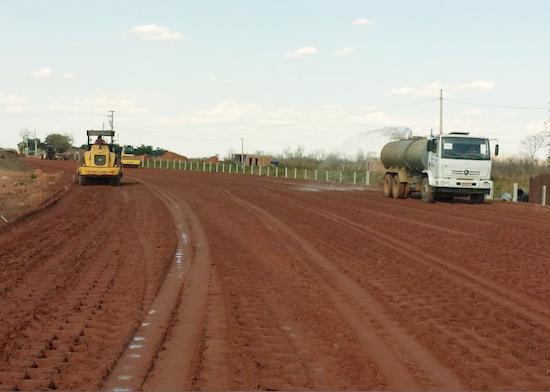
(27,184)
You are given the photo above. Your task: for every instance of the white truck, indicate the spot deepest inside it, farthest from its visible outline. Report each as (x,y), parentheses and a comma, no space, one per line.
(446,166)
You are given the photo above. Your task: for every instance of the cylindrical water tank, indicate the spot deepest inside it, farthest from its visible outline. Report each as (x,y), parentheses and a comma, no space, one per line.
(411,154)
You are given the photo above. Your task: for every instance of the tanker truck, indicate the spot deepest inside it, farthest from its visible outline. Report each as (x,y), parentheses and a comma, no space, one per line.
(445,166)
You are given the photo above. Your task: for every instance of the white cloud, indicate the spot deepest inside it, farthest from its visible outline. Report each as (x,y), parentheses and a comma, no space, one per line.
(153,32)
(432,89)
(479,85)
(361,22)
(125,104)
(347,51)
(226,111)
(42,72)
(67,76)
(474,112)
(14,99)
(219,79)
(428,90)
(301,54)
(15,109)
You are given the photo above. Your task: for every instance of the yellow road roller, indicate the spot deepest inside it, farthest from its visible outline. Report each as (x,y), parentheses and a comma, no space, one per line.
(100,164)
(128,157)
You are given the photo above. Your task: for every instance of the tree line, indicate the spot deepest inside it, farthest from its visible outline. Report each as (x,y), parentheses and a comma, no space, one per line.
(64,142)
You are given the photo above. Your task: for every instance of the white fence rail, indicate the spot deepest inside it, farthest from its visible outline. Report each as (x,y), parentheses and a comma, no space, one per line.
(347,176)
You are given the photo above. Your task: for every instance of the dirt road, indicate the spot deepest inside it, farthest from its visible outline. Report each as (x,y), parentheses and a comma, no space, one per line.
(75,281)
(279,284)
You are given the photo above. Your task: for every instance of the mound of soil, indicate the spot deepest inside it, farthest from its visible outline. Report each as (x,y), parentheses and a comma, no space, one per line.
(10,161)
(169,156)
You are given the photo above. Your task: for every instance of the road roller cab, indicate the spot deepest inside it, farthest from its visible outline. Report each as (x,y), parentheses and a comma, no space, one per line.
(100,164)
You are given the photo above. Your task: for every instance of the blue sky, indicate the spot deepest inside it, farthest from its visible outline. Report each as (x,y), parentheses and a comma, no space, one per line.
(196,76)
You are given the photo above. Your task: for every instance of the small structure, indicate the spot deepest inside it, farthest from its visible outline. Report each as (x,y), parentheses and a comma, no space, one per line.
(252,159)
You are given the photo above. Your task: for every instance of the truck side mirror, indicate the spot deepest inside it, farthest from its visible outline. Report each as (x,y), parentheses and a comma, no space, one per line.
(496,150)
(430,145)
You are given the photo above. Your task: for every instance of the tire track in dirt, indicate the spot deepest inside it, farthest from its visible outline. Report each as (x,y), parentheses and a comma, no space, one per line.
(516,354)
(276,339)
(269,348)
(485,343)
(480,214)
(400,360)
(479,254)
(70,311)
(517,301)
(169,336)
(266,276)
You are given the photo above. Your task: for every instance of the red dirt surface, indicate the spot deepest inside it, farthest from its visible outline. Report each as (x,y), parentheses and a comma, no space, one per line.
(23,192)
(75,280)
(170,156)
(293,286)
(281,285)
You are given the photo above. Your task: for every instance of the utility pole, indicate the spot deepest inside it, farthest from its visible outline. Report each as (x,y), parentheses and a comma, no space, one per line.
(242,152)
(441,111)
(111,121)
(35,144)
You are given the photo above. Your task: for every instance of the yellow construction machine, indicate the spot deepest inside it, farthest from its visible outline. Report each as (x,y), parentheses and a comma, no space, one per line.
(100,164)
(128,157)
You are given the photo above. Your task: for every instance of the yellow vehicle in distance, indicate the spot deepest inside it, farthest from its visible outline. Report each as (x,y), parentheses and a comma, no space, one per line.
(129,158)
(100,164)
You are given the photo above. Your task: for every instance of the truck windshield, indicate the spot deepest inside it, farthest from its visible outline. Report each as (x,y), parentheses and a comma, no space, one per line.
(465,148)
(128,150)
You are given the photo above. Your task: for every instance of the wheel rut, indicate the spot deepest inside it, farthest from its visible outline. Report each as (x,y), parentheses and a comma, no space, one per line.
(519,302)
(403,362)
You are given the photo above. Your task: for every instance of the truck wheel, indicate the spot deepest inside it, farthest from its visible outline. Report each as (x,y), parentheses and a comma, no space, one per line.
(426,191)
(477,199)
(388,185)
(398,188)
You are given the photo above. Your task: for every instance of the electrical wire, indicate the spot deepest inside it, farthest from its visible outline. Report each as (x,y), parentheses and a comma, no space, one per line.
(338,117)
(496,106)
(292,124)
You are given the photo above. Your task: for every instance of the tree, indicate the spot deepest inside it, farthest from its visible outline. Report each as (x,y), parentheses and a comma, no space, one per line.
(158,152)
(143,149)
(532,144)
(60,142)
(229,155)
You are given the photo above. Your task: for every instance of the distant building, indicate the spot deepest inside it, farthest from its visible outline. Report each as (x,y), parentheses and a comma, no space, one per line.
(252,160)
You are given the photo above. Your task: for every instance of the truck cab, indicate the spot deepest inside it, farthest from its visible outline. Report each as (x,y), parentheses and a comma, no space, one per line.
(459,164)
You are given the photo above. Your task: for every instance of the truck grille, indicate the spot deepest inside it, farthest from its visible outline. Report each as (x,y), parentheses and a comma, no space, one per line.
(470,173)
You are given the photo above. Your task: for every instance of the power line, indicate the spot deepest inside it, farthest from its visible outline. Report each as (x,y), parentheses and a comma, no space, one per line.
(337,117)
(496,106)
(295,123)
